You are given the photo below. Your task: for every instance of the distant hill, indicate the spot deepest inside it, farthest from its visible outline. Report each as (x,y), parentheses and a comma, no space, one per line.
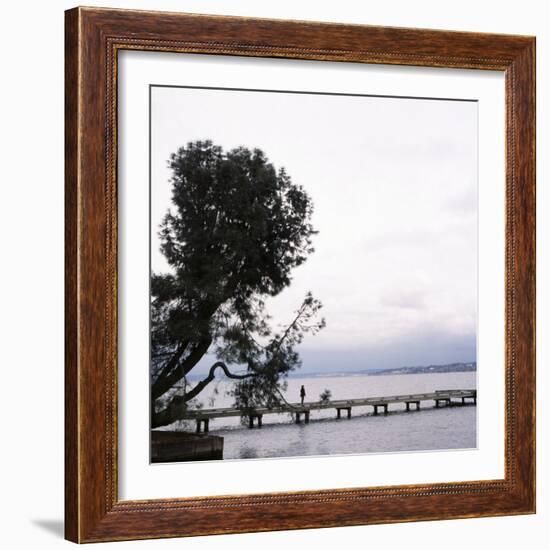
(450,367)
(421,369)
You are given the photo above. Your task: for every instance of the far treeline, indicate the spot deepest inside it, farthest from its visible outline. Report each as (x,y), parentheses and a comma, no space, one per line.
(450,367)
(424,369)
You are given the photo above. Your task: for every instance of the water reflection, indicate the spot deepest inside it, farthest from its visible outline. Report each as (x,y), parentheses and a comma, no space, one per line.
(427,429)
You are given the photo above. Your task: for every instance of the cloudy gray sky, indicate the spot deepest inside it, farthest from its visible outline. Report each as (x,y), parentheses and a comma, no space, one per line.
(394,184)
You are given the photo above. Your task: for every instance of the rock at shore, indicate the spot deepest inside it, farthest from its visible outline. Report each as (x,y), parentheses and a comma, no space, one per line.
(184,446)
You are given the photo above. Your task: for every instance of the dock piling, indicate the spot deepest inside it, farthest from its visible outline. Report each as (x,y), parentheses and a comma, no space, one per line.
(205,422)
(383,405)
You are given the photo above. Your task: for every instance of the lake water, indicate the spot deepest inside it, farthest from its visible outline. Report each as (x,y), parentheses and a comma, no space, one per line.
(427,429)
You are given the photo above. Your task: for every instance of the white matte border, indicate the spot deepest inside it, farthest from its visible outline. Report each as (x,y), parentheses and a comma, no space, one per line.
(140,480)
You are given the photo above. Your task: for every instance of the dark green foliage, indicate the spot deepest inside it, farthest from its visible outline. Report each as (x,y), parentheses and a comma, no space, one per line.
(325,396)
(236,230)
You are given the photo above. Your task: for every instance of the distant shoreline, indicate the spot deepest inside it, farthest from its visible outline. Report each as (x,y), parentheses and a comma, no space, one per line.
(424,369)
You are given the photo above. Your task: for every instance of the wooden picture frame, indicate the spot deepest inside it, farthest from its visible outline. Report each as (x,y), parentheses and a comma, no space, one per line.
(93,511)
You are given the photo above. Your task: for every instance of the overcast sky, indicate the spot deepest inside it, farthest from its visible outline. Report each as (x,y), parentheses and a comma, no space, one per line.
(394,186)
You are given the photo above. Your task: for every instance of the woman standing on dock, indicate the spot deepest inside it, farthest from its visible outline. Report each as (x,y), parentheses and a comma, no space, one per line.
(302,394)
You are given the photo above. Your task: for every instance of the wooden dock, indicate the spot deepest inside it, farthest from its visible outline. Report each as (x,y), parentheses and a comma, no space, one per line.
(440,398)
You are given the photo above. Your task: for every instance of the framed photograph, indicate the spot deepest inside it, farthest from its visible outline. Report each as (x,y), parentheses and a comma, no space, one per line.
(300,275)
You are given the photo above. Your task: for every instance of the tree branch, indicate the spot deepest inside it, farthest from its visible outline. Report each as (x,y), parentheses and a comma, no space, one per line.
(176,408)
(176,355)
(212,374)
(170,377)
